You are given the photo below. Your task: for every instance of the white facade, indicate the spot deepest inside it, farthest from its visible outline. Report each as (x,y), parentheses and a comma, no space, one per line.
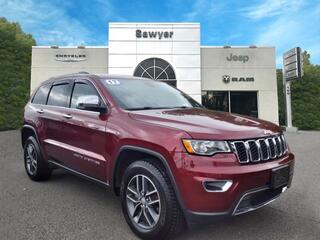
(181,50)
(198,69)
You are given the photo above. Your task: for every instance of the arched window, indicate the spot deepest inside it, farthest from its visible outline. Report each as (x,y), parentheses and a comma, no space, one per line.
(157,69)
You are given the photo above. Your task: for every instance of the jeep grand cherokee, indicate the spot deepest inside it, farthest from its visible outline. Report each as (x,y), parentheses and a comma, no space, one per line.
(169,159)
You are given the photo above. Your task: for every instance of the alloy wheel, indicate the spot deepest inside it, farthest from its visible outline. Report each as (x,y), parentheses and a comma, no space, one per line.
(31,159)
(143,202)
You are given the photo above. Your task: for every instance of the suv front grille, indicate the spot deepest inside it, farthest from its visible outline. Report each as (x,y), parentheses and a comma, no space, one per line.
(263,149)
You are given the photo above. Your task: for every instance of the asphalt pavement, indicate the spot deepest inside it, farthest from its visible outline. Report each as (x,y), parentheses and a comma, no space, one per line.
(69,207)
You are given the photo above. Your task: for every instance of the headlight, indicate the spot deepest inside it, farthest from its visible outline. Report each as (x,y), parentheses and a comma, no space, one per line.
(203,147)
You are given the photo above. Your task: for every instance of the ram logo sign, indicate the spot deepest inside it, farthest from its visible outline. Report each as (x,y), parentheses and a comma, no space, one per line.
(228,78)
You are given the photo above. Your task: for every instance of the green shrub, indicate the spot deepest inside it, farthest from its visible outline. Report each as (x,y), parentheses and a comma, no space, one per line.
(15,71)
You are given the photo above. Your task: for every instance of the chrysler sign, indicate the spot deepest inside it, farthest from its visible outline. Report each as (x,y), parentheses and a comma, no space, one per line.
(74,57)
(153,34)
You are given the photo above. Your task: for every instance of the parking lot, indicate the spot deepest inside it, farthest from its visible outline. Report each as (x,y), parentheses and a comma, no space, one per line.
(68,207)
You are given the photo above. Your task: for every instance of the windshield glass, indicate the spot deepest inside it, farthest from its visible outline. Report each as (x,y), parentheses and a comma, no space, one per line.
(136,94)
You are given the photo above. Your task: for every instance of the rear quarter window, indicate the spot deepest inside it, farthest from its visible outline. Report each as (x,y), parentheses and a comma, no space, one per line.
(41,95)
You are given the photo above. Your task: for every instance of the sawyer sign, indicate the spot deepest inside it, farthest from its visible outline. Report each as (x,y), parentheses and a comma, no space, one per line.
(153,34)
(292,64)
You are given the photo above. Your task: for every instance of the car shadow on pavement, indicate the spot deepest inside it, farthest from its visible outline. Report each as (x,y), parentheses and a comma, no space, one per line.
(77,183)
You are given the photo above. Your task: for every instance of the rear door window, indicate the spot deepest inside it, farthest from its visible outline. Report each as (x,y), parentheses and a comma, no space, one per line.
(41,95)
(59,95)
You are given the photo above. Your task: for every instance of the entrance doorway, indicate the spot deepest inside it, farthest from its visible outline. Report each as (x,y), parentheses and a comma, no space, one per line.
(241,102)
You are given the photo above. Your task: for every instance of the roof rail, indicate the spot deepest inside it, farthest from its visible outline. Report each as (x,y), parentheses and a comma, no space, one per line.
(83,72)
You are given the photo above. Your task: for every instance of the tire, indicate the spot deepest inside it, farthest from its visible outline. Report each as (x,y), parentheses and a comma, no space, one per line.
(148,218)
(36,166)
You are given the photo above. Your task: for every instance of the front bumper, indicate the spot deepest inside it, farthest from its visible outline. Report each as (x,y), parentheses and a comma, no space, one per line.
(249,201)
(250,189)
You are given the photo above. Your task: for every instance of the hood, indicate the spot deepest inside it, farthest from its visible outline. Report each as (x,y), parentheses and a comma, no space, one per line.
(207,124)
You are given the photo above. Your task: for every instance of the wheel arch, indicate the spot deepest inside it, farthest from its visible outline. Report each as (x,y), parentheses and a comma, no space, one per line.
(27,131)
(136,154)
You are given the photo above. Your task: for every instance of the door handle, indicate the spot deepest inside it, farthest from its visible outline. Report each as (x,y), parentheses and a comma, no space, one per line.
(40,111)
(67,116)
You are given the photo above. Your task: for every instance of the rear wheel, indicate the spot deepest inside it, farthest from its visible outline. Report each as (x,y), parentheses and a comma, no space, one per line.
(36,167)
(149,203)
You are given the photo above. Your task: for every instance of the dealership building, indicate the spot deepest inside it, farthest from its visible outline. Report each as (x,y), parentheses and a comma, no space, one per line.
(226,78)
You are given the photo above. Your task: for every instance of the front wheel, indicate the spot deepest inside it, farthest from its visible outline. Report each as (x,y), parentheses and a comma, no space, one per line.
(149,203)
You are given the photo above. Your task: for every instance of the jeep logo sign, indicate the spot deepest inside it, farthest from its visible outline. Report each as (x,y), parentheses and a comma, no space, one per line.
(238,58)
(153,34)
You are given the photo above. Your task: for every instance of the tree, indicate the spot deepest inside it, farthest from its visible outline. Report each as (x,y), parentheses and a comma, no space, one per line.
(305,97)
(15,69)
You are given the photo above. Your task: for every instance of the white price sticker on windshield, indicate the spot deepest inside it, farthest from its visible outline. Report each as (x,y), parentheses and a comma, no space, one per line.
(112,82)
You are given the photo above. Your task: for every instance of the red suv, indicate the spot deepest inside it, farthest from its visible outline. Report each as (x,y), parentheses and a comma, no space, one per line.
(171,160)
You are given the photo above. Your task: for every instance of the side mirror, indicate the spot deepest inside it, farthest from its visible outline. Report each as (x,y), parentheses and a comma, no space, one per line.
(91,103)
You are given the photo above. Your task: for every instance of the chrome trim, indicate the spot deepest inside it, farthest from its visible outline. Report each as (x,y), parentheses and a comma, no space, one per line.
(236,151)
(75,150)
(268,146)
(281,145)
(275,147)
(246,144)
(67,116)
(268,150)
(249,157)
(259,150)
(278,147)
(250,151)
(258,206)
(226,186)
(72,79)
(86,78)
(270,142)
(284,143)
(78,173)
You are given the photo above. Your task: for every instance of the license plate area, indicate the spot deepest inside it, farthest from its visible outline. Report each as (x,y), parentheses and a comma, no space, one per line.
(280,177)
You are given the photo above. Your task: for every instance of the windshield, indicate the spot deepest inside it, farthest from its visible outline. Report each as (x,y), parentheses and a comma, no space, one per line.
(137,94)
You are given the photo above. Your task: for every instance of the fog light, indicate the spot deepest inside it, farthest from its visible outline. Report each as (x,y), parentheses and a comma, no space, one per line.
(217,185)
